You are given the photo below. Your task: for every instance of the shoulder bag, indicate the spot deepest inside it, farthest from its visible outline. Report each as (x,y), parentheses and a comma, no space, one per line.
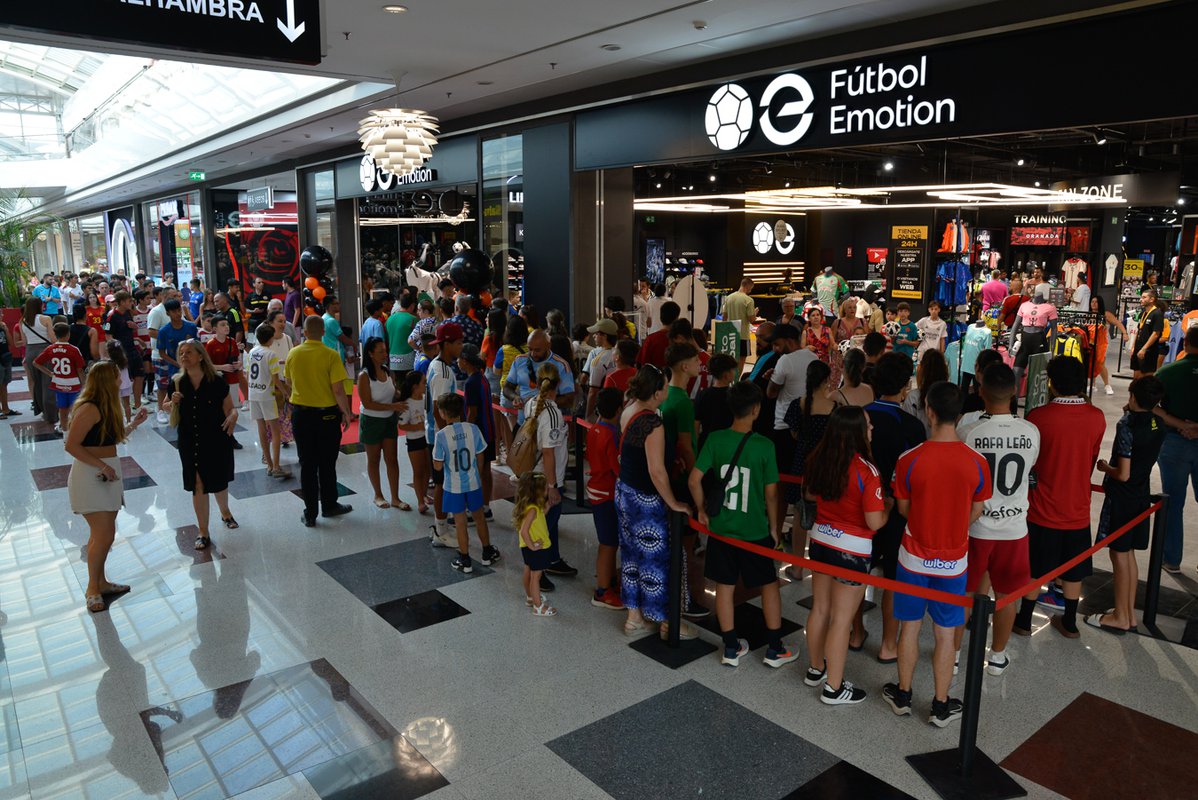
(714,484)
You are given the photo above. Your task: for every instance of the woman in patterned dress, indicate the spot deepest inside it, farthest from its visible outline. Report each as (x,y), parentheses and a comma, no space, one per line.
(644,501)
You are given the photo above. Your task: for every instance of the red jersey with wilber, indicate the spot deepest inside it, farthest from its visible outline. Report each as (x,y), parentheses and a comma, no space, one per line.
(840,523)
(942,480)
(1071,432)
(226,352)
(603,457)
(66,363)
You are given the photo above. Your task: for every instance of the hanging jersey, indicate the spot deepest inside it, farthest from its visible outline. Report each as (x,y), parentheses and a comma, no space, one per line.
(1010,446)
(458,446)
(65,363)
(264,367)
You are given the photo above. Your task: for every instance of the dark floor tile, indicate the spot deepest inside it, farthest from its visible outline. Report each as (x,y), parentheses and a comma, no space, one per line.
(1098,595)
(237,737)
(806,603)
(409,614)
(48,478)
(398,570)
(138,482)
(353,448)
(34,431)
(1190,638)
(729,750)
(342,489)
(846,780)
(171,434)
(1142,756)
(672,657)
(256,483)
(750,624)
(390,770)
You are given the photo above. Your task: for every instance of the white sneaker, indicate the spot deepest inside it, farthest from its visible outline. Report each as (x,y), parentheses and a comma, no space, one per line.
(997,663)
(163,418)
(1109,390)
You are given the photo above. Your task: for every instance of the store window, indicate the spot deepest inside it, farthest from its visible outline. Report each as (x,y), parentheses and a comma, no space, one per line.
(257,236)
(176,238)
(503,211)
(87,237)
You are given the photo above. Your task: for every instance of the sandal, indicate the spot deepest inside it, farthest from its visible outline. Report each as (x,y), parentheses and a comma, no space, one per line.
(528,601)
(401,505)
(1095,621)
(861,646)
(544,610)
(381,503)
(636,628)
(202,542)
(95,603)
(424,511)
(230,523)
(115,589)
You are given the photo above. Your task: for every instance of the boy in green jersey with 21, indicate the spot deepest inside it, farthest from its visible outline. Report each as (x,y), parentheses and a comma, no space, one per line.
(749,512)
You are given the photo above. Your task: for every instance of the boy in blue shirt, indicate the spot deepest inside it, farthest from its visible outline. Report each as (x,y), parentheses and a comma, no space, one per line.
(907,338)
(458,449)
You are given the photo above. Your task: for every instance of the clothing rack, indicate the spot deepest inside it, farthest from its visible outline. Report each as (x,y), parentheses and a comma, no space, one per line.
(1070,318)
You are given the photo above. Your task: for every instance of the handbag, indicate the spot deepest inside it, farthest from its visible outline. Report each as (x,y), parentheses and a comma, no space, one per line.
(714,484)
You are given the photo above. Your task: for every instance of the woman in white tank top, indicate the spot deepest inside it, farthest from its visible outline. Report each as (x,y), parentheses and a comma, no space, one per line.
(378,425)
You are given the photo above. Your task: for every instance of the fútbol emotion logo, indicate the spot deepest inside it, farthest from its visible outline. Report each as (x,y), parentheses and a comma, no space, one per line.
(729,117)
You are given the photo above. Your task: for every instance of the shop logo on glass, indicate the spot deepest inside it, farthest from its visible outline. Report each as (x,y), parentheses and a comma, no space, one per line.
(780,235)
(729,117)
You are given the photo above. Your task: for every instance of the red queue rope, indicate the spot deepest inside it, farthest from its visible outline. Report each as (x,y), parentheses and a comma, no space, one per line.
(839,572)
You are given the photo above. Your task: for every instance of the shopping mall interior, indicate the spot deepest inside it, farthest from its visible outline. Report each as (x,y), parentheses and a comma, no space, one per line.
(582,158)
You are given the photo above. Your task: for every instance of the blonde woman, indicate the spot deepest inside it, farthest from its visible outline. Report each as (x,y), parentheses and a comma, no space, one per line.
(94,484)
(203,411)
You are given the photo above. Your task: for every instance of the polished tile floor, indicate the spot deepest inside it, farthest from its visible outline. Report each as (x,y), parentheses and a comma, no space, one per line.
(349,661)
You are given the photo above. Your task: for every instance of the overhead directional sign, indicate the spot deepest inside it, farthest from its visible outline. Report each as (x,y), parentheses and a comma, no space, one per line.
(264,30)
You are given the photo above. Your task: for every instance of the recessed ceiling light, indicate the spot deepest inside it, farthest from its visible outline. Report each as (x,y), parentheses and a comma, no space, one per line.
(658,186)
(888,166)
(711,178)
(1181,201)
(393,9)
(1019,163)
(611,48)
(1037,183)
(485,83)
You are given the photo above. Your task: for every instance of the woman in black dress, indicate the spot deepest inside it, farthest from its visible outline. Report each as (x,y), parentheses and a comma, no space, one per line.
(205,416)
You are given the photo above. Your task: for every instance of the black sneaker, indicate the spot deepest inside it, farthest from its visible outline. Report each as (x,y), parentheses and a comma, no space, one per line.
(308,521)
(696,611)
(490,555)
(338,509)
(815,677)
(488,515)
(560,567)
(846,695)
(236,444)
(900,701)
(546,584)
(463,564)
(945,712)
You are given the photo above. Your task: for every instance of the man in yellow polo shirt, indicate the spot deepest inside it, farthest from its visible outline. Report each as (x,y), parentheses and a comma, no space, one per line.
(321,411)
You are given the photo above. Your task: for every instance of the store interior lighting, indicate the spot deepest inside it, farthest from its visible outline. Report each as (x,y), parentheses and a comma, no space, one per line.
(811,198)
(382,222)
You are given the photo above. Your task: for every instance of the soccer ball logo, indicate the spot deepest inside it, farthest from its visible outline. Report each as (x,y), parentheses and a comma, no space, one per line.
(729,117)
(763,237)
(891,329)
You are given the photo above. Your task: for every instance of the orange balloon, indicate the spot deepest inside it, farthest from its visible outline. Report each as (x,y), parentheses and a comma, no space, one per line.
(311,282)
(319,293)
(309,311)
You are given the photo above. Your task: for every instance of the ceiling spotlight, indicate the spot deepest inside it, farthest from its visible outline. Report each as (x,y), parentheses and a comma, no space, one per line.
(1019,163)
(1152,219)
(485,83)
(395,9)
(1037,183)
(1099,139)
(788,184)
(611,48)
(1181,201)
(658,185)
(888,166)
(711,178)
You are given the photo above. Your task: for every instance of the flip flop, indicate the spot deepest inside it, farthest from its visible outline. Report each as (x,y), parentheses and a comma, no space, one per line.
(1110,612)
(230,523)
(115,589)
(861,646)
(202,542)
(381,504)
(95,603)
(401,505)
(1095,621)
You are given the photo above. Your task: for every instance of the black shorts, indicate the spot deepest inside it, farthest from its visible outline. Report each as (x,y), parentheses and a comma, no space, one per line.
(415,445)
(438,476)
(727,564)
(536,560)
(744,346)
(818,551)
(784,449)
(886,545)
(1049,548)
(1117,512)
(137,367)
(1029,345)
(1146,365)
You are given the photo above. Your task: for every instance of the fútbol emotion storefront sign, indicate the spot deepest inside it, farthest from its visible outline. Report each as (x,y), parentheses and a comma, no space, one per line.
(981,86)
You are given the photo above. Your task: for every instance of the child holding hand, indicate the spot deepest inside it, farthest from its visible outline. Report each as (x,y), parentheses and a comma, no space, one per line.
(529,518)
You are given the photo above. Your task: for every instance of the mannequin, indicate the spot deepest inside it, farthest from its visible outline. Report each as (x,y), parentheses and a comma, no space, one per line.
(1034,331)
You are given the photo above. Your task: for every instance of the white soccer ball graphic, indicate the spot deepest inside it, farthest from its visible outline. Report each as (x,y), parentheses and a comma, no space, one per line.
(729,117)
(891,329)
(763,237)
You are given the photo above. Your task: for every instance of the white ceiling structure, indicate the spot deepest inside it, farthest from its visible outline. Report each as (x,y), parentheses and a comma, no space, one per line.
(458,58)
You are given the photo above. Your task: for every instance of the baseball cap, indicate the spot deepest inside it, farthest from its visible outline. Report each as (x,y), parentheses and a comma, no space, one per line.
(607,326)
(827,269)
(785,332)
(448,332)
(473,356)
(110,298)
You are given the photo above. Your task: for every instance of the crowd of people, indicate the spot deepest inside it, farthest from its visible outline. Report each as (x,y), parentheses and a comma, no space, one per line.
(895,469)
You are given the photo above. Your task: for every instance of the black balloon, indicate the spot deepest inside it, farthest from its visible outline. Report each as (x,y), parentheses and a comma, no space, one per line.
(316,261)
(470,271)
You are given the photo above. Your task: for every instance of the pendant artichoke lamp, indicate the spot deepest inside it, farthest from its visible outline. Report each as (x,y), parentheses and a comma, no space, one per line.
(400,140)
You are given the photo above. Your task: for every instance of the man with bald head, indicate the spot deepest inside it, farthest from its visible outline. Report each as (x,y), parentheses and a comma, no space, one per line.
(522,378)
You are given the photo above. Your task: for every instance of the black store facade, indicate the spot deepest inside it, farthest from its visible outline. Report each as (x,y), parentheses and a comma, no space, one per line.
(742,176)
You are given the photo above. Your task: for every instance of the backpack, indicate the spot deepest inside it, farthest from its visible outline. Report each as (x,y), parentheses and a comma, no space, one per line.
(523,454)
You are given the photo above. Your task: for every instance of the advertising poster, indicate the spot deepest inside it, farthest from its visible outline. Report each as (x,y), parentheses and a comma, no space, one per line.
(727,339)
(910,246)
(1133,276)
(875,264)
(183,265)
(1037,381)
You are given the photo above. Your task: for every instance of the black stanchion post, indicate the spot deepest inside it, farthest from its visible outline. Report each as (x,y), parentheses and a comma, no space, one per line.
(677,524)
(579,462)
(965,771)
(1156,560)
